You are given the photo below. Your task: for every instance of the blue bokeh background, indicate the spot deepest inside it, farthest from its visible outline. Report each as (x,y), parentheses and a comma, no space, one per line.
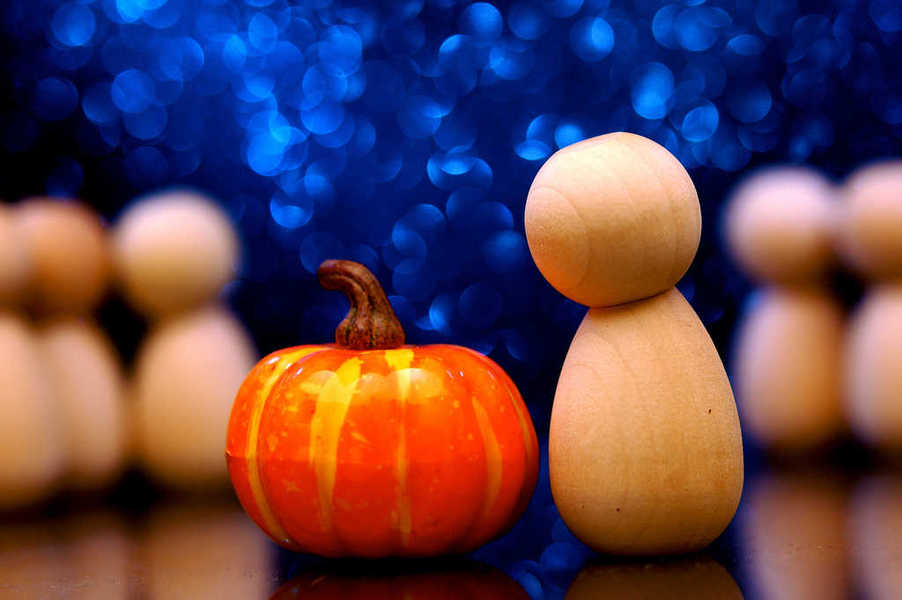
(405,135)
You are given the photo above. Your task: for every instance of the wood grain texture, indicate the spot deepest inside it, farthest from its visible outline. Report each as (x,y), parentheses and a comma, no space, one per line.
(612,219)
(645,448)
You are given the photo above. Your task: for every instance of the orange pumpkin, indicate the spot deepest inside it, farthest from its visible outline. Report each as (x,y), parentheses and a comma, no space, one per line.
(369,447)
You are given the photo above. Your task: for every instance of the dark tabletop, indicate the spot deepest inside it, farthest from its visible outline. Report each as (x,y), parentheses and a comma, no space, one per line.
(801,532)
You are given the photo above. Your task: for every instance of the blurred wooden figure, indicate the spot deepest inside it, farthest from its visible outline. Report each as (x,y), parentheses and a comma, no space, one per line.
(780,228)
(31,450)
(70,251)
(16,263)
(174,253)
(70,255)
(186,377)
(32,446)
(89,389)
(871,241)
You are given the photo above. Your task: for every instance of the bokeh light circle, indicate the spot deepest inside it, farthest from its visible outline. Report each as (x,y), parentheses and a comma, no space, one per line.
(54,99)
(73,24)
(132,91)
(652,90)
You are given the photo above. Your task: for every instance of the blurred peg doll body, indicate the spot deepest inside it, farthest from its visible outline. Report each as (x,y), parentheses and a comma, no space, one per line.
(174,252)
(780,228)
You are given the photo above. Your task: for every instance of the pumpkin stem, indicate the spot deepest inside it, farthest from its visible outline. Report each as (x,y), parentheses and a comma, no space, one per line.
(371,323)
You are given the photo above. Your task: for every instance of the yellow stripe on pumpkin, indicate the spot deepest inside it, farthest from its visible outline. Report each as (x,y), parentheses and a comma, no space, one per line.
(528,432)
(399,361)
(325,428)
(253,431)
(493,459)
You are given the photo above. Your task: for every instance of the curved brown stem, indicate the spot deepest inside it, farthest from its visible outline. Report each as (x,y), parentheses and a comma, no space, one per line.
(371,323)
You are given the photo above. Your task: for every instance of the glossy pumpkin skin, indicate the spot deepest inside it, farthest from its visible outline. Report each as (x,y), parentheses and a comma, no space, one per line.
(409,451)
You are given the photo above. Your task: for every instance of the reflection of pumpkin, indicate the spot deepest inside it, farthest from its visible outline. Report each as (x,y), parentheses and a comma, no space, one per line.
(471,582)
(373,448)
(700,578)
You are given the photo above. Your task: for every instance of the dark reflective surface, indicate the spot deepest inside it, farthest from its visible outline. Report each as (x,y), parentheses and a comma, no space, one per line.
(801,532)
(191,549)
(691,577)
(438,580)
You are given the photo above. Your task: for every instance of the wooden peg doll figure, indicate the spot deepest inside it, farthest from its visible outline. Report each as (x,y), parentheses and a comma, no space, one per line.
(645,449)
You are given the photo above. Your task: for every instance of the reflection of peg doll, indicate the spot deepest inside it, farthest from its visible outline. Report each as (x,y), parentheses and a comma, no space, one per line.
(174,252)
(70,254)
(96,548)
(30,559)
(645,451)
(874,524)
(204,550)
(31,452)
(700,578)
(788,367)
(793,527)
(871,241)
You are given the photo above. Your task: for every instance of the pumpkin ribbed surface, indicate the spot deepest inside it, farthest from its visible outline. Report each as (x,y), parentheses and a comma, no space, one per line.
(410,451)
